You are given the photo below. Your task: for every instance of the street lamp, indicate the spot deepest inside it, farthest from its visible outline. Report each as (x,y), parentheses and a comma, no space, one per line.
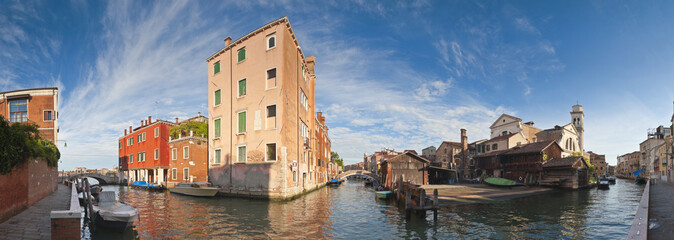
(65,144)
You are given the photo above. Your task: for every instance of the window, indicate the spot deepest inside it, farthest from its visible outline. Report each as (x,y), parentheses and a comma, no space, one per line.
(271,111)
(174,174)
(271,73)
(174,153)
(131,158)
(294,176)
(494,146)
(186,152)
(120,145)
(186,174)
(242,87)
(47,116)
(504,133)
(304,100)
(271,42)
(271,151)
(156,154)
(144,137)
(488,148)
(217,97)
(304,76)
(242,54)
(242,154)
(18,110)
(216,156)
(131,141)
(216,68)
(156,132)
(216,128)
(242,122)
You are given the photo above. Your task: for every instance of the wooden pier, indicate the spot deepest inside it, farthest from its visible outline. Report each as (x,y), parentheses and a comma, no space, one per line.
(415,199)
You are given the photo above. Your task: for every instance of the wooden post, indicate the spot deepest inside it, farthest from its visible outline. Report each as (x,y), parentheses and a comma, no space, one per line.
(408,199)
(435,205)
(422,198)
(89,198)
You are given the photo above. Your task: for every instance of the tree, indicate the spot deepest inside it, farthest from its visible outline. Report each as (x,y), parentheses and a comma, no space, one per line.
(335,157)
(20,141)
(199,129)
(590,167)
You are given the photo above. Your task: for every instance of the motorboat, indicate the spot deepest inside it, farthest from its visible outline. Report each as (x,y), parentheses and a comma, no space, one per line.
(611,180)
(334,182)
(383,194)
(112,214)
(194,189)
(603,183)
(147,186)
(640,180)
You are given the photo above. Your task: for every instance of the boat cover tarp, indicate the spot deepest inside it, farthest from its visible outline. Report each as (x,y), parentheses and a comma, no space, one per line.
(119,212)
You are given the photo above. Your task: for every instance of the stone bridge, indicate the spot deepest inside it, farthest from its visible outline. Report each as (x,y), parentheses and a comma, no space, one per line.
(102,179)
(365,174)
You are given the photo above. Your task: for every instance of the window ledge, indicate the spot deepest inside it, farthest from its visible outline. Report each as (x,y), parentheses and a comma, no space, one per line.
(271,48)
(241,61)
(243,133)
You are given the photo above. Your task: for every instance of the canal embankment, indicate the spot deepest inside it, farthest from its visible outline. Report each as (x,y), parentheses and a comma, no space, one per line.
(478,193)
(661,211)
(35,222)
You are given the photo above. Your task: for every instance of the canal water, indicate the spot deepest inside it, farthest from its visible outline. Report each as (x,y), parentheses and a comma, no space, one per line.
(351,211)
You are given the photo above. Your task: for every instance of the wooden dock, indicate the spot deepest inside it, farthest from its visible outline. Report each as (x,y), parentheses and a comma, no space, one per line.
(415,199)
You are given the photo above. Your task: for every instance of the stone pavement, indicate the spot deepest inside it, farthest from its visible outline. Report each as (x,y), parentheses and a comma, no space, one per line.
(661,211)
(34,222)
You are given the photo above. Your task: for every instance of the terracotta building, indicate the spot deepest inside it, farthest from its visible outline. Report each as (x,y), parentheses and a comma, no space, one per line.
(189,160)
(261,109)
(322,145)
(38,106)
(599,163)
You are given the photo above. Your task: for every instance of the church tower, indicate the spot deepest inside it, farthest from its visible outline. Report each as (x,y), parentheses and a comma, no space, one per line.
(578,118)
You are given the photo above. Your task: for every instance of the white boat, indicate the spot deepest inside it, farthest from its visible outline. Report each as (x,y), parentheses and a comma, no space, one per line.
(603,183)
(194,189)
(112,214)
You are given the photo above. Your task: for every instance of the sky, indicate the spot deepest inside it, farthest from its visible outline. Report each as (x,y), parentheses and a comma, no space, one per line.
(402,75)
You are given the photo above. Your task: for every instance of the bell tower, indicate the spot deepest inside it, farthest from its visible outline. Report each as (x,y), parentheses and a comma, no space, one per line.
(578,119)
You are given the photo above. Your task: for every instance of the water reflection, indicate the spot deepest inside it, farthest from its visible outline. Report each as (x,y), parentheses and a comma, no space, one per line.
(351,210)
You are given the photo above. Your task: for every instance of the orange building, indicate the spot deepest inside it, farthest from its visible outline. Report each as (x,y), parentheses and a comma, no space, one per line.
(144,151)
(38,106)
(261,109)
(322,146)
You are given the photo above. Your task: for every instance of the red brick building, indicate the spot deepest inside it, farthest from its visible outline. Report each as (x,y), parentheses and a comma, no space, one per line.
(189,160)
(38,106)
(322,153)
(144,151)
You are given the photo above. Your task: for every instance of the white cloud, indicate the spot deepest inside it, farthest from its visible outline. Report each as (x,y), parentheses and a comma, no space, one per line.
(523,24)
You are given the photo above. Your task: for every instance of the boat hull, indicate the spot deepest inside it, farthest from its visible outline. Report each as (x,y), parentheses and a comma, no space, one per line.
(383,194)
(117,226)
(195,192)
(500,182)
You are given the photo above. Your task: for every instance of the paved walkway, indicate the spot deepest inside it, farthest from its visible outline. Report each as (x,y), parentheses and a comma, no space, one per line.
(661,211)
(475,193)
(34,222)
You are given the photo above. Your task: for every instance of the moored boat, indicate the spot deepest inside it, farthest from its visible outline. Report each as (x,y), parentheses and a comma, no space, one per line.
(500,182)
(603,183)
(611,180)
(640,180)
(334,182)
(114,215)
(147,186)
(383,194)
(194,190)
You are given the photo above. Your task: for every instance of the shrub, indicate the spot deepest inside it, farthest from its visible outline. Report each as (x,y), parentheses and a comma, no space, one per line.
(20,141)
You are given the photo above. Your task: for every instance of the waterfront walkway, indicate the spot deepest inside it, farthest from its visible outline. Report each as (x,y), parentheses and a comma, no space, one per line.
(474,193)
(35,222)
(661,211)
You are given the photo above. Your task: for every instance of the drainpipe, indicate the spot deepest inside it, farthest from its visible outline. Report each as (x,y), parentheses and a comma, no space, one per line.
(231,123)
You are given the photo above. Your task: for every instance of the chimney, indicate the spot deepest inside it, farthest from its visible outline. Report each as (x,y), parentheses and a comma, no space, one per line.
(124,132)
(311,63)
(228,40)
(130,129)
(149,119)
(176,120)
(141,122)
(199,114)
(464,139)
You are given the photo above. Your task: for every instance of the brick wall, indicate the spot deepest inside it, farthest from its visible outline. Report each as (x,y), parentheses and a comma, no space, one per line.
(65,228)
(197,161)
(28,183)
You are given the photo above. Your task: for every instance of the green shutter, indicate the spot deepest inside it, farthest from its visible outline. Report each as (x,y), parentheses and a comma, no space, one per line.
(217,128)
(217,97)
(242,54)
(242,122)
(242,88)
(216,68)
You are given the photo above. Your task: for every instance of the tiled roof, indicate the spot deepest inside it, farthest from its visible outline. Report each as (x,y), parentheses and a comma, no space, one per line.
(561,162)
(530,148)
(499,138)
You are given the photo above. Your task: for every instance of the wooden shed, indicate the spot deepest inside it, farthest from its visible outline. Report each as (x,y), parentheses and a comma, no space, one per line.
(412,166)
(524,163)
(568,172)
